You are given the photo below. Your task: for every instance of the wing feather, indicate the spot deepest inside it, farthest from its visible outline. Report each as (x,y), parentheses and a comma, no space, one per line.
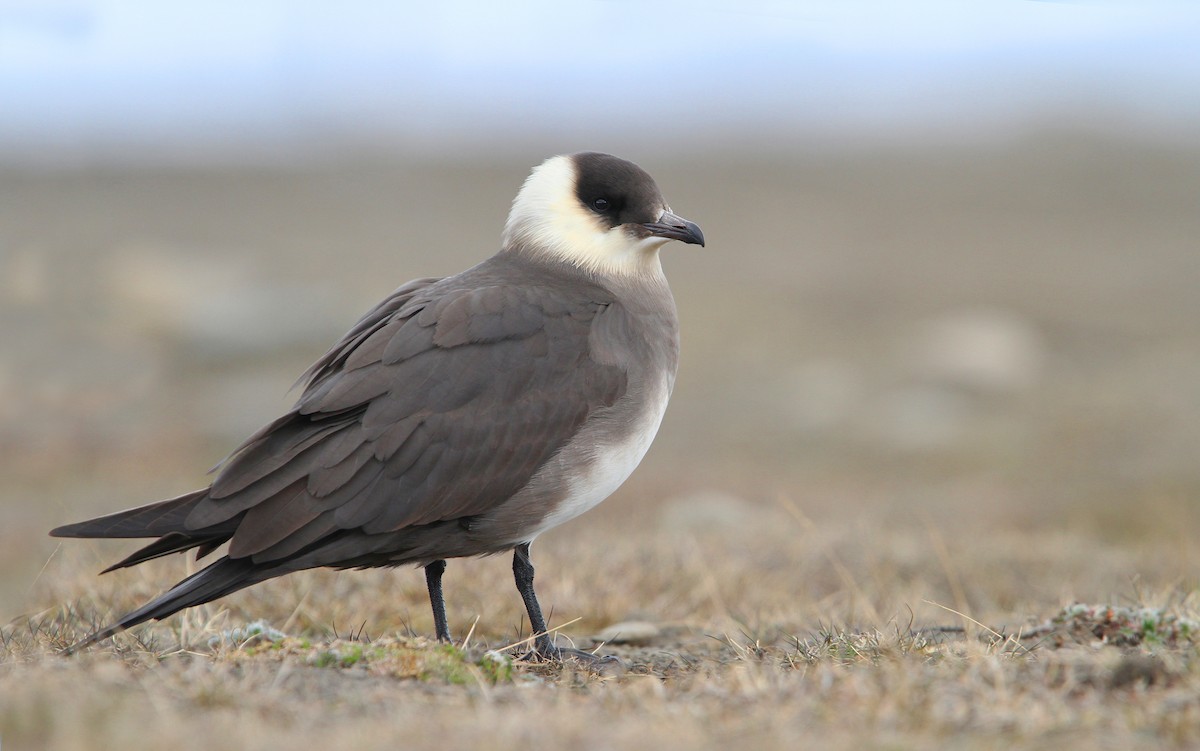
(440,404)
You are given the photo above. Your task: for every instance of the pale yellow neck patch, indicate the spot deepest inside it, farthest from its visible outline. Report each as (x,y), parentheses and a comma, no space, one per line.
(548,218)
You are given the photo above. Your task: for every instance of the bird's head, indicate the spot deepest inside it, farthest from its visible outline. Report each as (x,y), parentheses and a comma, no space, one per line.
(598,212)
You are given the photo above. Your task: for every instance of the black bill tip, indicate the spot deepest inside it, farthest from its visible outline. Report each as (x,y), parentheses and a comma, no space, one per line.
(674,227)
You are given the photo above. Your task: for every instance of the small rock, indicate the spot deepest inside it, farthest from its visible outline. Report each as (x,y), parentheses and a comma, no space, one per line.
(1138,669)
(629,632)
(990,351)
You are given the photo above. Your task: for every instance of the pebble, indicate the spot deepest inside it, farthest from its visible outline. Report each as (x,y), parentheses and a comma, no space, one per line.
(629,632)
(986,350)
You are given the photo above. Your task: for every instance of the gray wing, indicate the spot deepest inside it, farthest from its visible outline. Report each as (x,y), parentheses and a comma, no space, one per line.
(441,403)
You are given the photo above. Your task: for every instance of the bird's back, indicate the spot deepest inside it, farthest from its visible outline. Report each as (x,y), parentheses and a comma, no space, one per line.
(445,423)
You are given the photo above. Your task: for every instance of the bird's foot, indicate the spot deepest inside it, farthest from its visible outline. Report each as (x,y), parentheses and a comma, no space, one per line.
(600,664)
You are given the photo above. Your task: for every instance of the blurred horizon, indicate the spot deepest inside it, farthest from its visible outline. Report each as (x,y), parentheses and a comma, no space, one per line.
(271,82)
(950,281)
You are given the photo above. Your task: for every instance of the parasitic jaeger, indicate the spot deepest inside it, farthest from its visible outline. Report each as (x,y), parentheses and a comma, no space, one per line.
(461,416)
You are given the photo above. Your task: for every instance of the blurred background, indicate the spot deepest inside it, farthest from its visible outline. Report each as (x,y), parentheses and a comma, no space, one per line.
(952,283)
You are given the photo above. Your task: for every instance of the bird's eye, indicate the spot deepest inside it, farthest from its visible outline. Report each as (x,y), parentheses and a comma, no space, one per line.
(601,204)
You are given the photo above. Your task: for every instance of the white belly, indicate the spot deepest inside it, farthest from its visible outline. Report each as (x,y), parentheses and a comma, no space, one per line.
(610,465)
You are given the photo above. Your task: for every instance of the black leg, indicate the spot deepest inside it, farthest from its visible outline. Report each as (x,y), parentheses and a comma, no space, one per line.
(523,573)
(433,580)
(544,648)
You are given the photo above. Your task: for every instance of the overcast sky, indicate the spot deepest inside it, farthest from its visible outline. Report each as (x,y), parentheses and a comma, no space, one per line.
(273,78)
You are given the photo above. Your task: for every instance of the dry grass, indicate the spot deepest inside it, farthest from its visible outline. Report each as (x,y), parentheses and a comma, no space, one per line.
(773,634)
(838,540)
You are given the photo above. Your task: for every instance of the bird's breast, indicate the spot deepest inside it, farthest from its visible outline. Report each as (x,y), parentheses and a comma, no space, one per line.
(604,454)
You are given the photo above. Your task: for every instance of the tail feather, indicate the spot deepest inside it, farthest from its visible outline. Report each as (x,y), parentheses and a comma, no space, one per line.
(174,542)
(166,520)
(222,577)
(154,520)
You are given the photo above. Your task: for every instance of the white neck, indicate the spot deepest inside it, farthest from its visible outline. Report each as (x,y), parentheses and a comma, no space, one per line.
(548,218)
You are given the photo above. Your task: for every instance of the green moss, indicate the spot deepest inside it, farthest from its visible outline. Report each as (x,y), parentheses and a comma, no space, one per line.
(325,658)
(496,667)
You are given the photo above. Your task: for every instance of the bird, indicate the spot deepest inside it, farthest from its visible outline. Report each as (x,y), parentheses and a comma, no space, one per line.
(461,416)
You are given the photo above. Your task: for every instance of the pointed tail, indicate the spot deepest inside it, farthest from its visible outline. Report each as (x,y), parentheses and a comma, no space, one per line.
(222,577)
(154,520)
(166,520)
